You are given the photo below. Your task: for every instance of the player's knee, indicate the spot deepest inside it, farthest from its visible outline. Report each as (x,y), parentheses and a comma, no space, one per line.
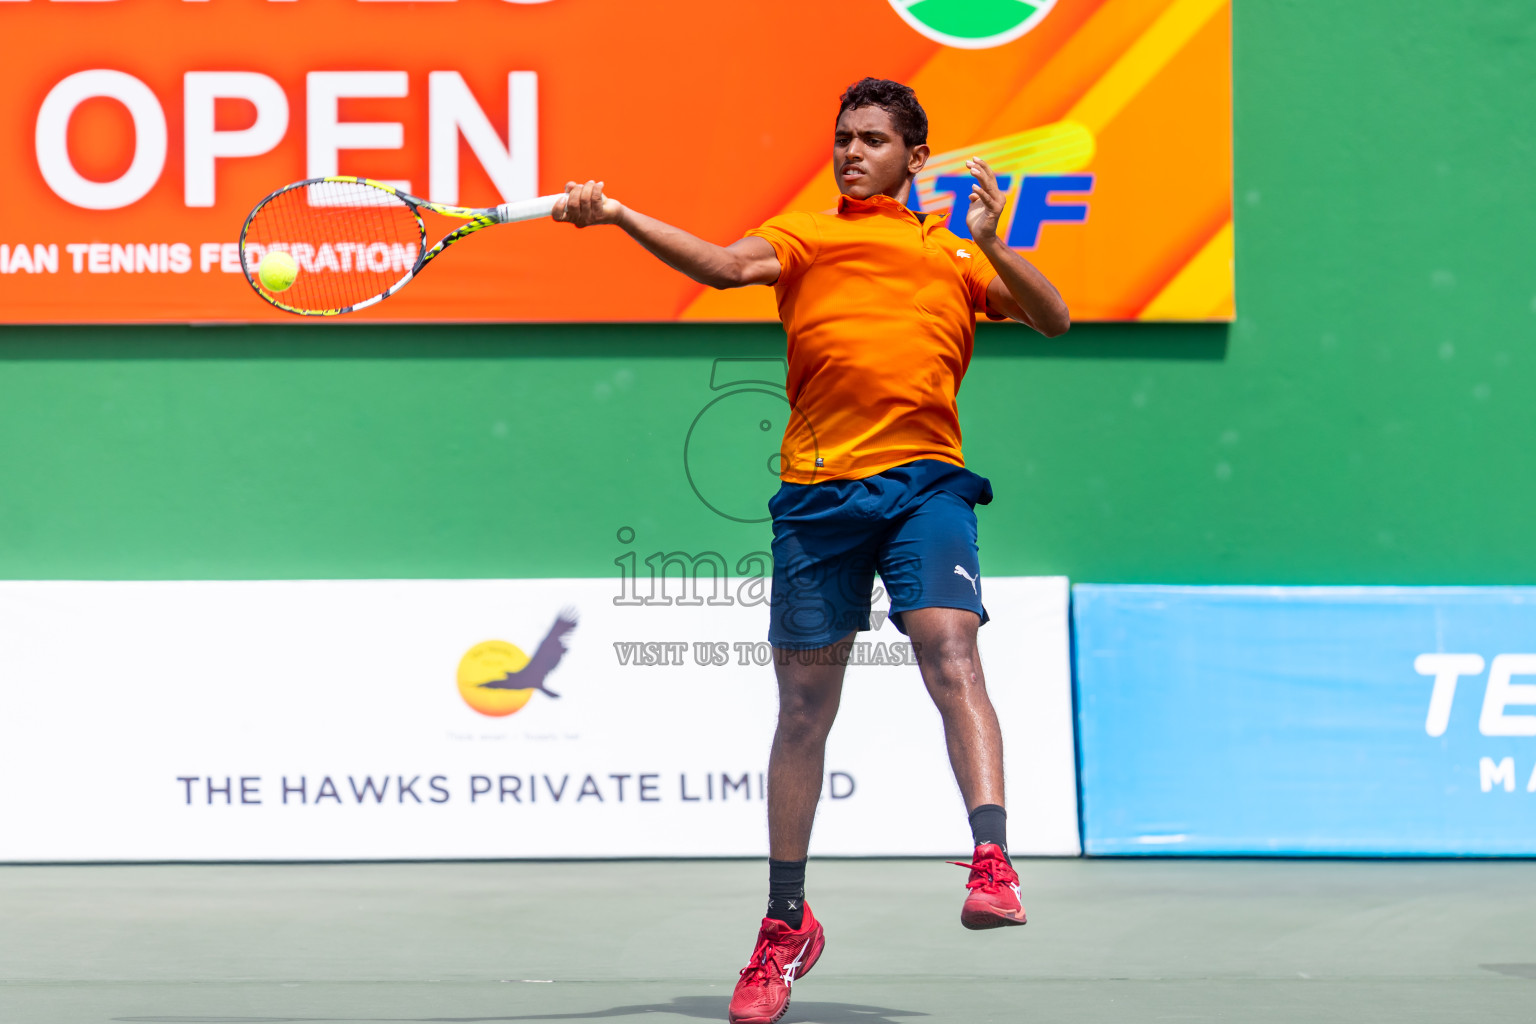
(803,727)
(948,664)
(805,717)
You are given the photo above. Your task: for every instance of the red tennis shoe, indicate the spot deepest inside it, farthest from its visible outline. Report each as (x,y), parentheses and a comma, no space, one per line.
(783,955)
(993,899)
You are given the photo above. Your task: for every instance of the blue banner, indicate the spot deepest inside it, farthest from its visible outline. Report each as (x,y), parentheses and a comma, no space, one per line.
(1307,720)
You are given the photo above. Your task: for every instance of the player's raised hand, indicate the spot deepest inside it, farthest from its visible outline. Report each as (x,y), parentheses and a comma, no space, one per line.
(986,201)
(585,205)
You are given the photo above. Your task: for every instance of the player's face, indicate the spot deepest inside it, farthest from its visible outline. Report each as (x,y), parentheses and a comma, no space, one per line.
(870,157)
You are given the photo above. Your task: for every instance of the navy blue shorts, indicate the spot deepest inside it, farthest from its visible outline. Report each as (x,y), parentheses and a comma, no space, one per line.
(915,525)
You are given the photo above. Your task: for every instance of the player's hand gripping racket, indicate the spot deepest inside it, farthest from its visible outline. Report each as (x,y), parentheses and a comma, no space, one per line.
(328,246)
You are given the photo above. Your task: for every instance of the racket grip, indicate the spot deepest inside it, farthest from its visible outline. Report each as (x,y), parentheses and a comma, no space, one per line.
(527,209)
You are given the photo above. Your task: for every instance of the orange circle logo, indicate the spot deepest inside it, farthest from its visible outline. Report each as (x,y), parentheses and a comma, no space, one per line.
(490,663)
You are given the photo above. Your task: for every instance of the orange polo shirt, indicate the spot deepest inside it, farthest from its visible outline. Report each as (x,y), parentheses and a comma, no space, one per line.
(880,308)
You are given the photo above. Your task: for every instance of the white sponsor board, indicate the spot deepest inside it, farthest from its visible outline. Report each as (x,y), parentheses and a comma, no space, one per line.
(324,719)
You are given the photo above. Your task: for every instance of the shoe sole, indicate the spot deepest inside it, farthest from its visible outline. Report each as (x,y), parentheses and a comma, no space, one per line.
(760,1020)
(812,957)
(981,920)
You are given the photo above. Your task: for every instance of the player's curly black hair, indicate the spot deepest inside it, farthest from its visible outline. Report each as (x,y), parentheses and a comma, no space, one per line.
(895,99)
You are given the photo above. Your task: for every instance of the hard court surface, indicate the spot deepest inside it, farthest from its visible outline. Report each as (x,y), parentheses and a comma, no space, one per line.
(1108,941)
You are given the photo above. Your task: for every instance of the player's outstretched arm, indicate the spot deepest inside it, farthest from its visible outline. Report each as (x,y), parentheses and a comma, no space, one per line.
(748,261)
(1019,292)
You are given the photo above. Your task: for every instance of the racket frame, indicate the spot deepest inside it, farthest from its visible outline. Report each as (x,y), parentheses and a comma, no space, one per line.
(475,219)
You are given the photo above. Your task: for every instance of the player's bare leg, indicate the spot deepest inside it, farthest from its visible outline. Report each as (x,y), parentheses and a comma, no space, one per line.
(810,687)
(946,653)
(791,939)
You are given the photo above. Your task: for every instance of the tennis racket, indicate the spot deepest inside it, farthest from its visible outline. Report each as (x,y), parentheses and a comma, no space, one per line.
(355,242)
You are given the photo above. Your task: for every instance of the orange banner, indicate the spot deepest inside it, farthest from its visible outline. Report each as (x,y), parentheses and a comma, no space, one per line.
(138,134)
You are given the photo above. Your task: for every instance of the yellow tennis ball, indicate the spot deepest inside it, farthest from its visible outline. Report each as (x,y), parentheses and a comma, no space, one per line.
(277,271)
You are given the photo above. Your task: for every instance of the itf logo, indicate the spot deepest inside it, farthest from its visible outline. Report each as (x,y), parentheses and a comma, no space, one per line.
(497,679)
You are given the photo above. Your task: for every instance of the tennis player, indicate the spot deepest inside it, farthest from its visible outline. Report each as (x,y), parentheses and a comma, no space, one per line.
(879,303)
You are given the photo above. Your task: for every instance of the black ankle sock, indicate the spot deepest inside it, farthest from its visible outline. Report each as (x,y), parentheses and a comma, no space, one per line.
(786,891)
(989,824)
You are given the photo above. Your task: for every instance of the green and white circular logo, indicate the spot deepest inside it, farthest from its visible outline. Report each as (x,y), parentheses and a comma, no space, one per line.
(973,24)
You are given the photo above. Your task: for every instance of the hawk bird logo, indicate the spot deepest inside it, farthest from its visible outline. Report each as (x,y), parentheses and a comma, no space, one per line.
(550,650)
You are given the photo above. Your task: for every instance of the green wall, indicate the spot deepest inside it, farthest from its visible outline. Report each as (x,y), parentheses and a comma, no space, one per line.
(1370,417)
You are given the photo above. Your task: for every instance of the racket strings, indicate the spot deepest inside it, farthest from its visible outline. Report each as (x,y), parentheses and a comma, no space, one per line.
(351,242)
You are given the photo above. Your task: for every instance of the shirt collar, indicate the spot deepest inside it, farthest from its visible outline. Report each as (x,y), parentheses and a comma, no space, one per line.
(875,204)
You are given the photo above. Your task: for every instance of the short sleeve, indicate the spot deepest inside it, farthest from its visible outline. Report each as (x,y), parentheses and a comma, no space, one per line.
(979,273)
(795,240)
